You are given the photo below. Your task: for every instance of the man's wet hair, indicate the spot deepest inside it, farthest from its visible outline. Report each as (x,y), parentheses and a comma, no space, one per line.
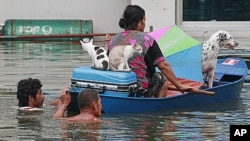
(25,88)
(86,97)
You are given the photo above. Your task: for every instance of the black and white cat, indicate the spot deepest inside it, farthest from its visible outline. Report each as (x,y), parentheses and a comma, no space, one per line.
(100,59)
(119,55)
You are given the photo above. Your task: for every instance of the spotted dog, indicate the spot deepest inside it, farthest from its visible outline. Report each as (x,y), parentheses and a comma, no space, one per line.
(211,48)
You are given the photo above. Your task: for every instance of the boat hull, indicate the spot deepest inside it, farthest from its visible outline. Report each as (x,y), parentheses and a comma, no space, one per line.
(142,105)
(227,87)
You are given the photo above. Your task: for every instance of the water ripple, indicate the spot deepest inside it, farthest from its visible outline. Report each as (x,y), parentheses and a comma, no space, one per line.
(52,63)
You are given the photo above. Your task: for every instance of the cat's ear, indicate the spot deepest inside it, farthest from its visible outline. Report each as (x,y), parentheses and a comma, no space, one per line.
(91,41)
(136,46)
(81,42)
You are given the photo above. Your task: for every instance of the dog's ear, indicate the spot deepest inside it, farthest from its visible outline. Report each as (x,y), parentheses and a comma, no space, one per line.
(223,36)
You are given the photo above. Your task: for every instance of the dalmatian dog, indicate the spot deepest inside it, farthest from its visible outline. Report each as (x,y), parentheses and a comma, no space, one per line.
(211,48)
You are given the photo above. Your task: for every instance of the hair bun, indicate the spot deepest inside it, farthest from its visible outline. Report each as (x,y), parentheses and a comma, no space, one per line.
(122,23)
(123,19)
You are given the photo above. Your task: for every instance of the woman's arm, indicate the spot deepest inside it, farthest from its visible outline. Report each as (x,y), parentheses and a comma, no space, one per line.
(169,74)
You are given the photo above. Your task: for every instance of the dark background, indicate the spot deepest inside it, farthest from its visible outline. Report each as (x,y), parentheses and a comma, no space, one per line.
(219,10)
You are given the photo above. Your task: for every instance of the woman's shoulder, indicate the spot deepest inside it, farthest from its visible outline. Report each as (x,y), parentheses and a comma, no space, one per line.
(125,33)
(138,36)
(145,35)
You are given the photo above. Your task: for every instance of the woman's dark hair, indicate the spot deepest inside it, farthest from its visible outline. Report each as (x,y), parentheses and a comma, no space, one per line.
(25,88)
(86,97)
(131,16)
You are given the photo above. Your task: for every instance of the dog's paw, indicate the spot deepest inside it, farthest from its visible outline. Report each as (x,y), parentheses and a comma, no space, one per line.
(203,86)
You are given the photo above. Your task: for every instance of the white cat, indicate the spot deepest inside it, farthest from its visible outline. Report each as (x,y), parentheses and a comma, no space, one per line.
(119,55)
(99,55)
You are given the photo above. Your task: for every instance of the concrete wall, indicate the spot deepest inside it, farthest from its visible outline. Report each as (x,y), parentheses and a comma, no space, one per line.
(104,13)
(159,13)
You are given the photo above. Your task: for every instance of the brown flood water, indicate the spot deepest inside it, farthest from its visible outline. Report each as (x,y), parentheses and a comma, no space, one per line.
(52,63)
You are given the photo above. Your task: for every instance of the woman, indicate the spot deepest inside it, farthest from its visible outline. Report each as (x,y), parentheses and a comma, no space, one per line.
(150,82)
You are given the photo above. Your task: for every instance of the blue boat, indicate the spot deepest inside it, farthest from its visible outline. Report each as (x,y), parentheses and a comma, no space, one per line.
(116,88)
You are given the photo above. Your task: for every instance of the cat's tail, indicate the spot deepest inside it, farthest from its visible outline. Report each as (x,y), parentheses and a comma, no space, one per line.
(98,68)
(105,66)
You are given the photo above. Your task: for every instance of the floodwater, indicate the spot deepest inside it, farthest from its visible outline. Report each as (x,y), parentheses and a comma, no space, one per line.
(52,63)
